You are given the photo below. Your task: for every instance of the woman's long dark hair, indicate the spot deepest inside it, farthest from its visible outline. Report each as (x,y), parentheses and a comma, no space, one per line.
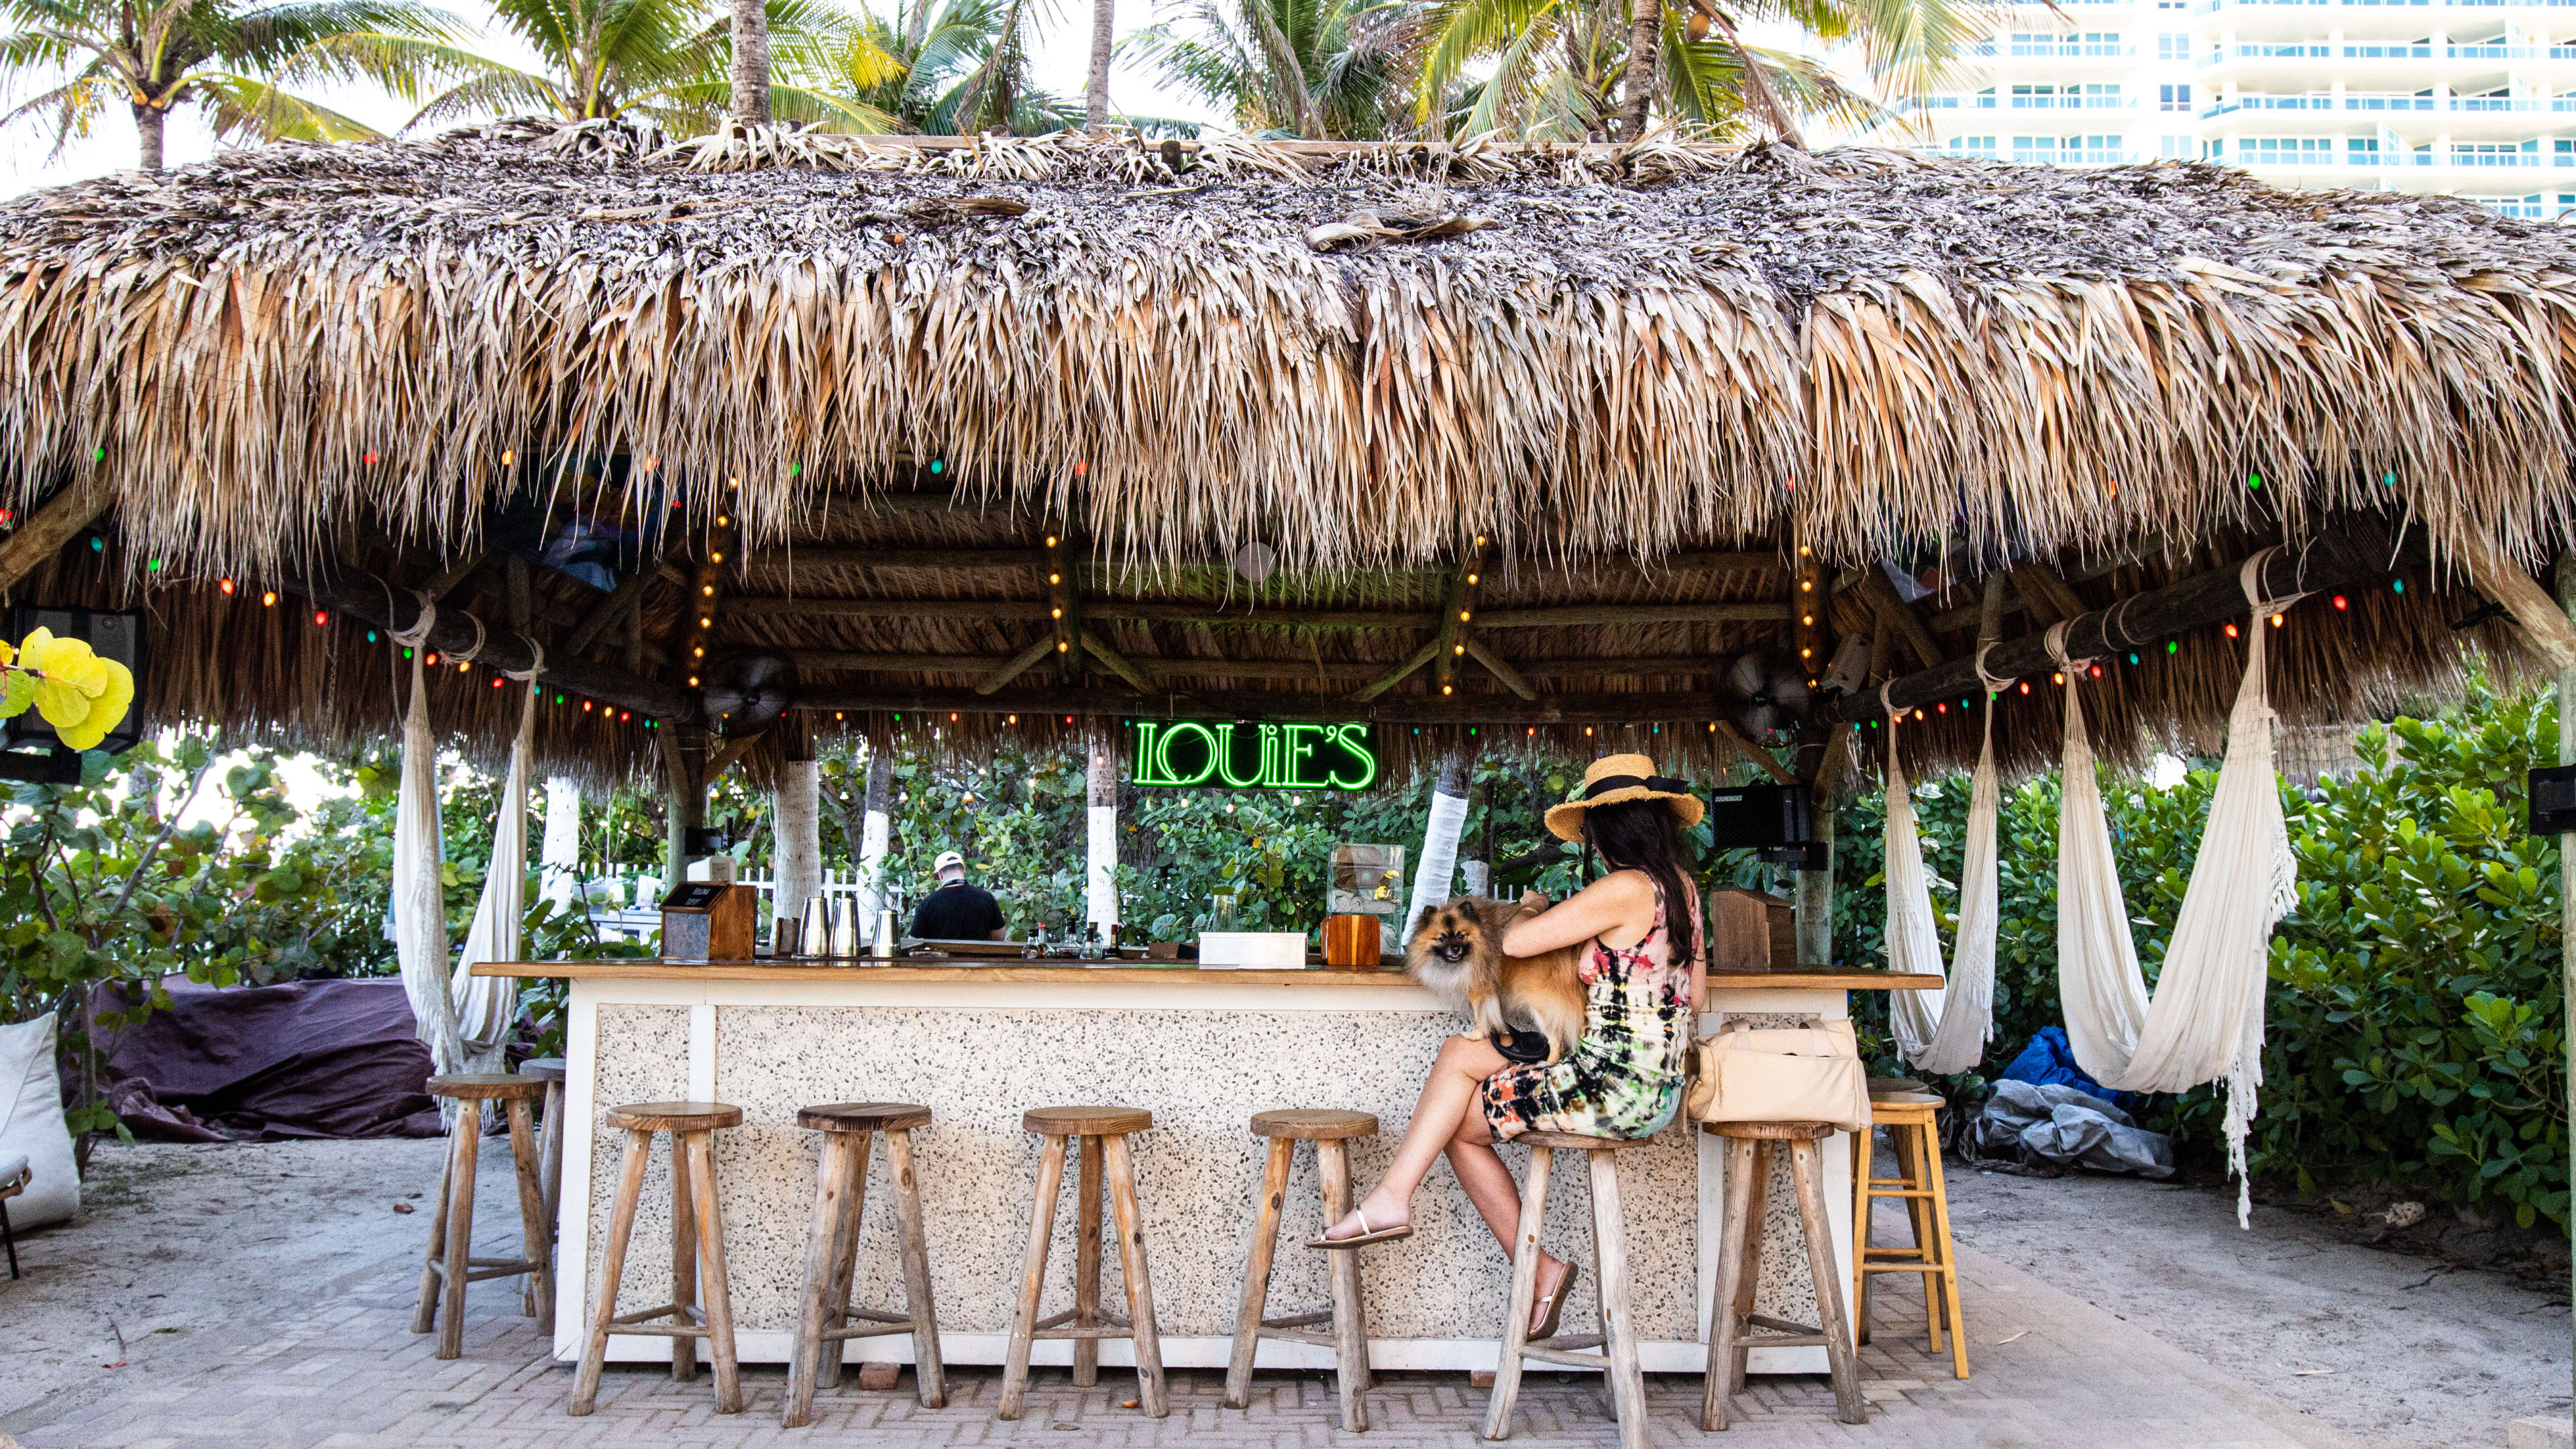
(1646,835)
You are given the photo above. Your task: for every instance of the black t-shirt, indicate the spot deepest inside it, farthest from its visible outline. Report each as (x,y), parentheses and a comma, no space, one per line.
(956,912)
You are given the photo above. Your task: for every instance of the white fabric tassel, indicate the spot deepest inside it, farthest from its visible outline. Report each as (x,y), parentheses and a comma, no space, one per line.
(487,1005)
(2207,1019)
(2099,985)
(419,901)
(1438,869)
(1913,939)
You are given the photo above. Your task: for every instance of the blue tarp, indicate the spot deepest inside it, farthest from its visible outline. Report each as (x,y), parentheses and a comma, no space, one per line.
(2050,1062)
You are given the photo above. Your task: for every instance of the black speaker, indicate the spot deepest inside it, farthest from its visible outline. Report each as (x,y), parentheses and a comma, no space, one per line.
(1754,817)
(115,634)
(2553,800)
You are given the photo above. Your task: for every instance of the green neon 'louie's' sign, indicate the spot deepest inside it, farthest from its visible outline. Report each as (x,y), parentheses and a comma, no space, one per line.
(1249,756)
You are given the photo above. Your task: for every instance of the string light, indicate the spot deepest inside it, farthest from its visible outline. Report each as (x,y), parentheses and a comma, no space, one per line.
(1943,707)
(2398,584)
(226,585)
(2057,677)
(509,456)
(2279,621)
(268,599)
(2231,630)
(2133,656)
(585,706)
(1918,714)
(371,458)
(497,681)
(2342,603)
(2173,646)
(319,617)
(2097,671)
(2253,480)
(371,637)
(2025,686)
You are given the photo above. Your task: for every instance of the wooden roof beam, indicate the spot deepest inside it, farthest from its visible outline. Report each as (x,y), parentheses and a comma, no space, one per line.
(2501,579)
(363,597)
(1893,613)
(1688,707)
(1556,617)
(47,529)
(2346,551)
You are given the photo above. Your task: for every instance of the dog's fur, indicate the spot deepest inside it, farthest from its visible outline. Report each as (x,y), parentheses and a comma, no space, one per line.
(1457,953)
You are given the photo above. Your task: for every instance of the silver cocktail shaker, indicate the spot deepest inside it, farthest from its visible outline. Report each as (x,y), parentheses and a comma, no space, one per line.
(845,928)
(814,934)
(887,930)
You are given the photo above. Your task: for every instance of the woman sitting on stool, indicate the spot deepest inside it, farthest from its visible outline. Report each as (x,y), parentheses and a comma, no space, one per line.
(1642,977)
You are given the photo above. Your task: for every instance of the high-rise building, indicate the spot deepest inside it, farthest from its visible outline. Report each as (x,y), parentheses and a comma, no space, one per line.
(2469,97)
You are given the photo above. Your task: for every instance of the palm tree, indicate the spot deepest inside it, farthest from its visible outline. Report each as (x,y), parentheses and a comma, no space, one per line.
(1095,91)
(1324,69)
(751,62)
(664,61)
(963,69)
(236,60)
(1551,64)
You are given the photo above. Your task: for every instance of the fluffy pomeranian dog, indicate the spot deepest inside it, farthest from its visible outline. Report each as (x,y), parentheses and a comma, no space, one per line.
(1457,954)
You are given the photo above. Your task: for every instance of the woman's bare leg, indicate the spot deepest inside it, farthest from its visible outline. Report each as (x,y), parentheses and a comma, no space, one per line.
(1449,1117)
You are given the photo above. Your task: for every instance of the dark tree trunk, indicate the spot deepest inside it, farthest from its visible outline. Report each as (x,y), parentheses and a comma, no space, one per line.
(1645,41)
(150,121)
(1096,91)
(751,62)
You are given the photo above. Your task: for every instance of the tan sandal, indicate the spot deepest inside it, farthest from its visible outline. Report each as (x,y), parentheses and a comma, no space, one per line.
(1552,1307)
(1365,1236)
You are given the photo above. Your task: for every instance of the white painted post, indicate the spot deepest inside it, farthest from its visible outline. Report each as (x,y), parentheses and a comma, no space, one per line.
(1437,869)
(1101,844)
(559,854)
(799,815)
(875,835)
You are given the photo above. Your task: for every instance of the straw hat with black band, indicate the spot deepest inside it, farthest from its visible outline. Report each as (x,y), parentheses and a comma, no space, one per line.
(1614,779)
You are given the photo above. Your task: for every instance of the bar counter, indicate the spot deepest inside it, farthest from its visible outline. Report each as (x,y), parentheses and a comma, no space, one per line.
(980,1040)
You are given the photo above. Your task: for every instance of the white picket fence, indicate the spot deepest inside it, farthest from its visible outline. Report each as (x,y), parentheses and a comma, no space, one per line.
(626,901)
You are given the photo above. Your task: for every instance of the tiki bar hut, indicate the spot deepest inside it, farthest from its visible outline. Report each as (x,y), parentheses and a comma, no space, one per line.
(1667,448)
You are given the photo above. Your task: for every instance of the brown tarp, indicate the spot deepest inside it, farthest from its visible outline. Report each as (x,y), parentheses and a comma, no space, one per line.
(305,1059)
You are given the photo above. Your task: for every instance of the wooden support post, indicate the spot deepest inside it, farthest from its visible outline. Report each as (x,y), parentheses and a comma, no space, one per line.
(1500,668)
(2039,581)
(619,605)
(1099,649)
(1017,665)
(1811,630)
(447,580)
(1457,610)
(1064,607)
(684,786)
(48,528)
(517,593)
(1392,677)
(1892,612)
(2541,618)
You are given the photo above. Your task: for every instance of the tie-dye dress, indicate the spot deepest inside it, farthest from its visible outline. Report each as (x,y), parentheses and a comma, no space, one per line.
(1624,1078)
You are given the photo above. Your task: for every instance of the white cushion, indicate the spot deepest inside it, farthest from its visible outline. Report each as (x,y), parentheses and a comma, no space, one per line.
(31,1125)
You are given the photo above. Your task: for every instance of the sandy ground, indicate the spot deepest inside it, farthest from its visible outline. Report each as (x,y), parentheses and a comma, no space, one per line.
(183,1250)
(2392,1349)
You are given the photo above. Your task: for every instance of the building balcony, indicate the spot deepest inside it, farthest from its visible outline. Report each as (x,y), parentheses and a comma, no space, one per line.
(2386,105)
(2067,50)
(2071,103)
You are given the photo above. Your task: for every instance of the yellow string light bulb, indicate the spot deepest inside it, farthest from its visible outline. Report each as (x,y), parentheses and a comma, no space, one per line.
(709,590)
(1471,578)
(1462,616)
(1806,585)
(1059,613)
(1050,540)
(1061,646)
(1055,578)
(2278,621)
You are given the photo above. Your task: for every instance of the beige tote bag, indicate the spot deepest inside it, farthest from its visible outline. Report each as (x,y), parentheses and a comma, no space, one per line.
(1812,1073)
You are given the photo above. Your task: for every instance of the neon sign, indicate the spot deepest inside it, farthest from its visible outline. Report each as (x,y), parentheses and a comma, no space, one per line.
(1255,756)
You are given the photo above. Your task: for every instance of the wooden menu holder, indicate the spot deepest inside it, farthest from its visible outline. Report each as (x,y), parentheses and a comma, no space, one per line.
(705,920)
(1750,931)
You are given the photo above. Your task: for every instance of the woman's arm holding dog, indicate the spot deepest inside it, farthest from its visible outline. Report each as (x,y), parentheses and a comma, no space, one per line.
(1621,904)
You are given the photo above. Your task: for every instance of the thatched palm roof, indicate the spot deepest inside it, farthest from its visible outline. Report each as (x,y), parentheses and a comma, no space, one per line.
(1356,356)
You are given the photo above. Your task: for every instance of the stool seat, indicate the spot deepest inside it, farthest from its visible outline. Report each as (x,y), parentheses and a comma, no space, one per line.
(1903,1100)
(863,1117)
(1577,1142)
(1086,1121)
(1314,1124)
(1880,1086)
(544,1069)
(674,1116)
(1768,1131)
(487,1087)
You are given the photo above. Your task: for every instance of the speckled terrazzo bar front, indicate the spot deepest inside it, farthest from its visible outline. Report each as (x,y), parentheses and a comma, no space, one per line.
(1202,1050)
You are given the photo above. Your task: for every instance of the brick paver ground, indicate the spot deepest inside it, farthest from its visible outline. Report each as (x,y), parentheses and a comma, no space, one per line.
(347,1374)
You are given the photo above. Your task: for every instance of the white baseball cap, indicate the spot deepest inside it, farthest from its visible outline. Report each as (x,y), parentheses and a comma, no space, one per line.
(946,859)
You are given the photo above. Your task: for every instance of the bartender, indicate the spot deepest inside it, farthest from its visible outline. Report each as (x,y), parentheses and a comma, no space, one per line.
(956,911)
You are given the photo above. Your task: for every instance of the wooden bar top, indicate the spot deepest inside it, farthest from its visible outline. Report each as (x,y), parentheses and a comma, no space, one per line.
(1179,973)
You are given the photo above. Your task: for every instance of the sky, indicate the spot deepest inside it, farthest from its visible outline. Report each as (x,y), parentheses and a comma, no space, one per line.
(1062,62)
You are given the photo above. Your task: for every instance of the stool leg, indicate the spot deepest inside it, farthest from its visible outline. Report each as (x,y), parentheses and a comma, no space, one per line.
(424,1314)
(1086,1262)
(1256,1272)
(1734,1233)
(1525,1260)
(929,1373)
(1350,1327)
(822,1245)
(1618,1328)
(460,1230)
(845,1253)
(1807,1175)
(1862,1146)
(550,1185)
(1024,1318)
(612,1268)
(533,1230)
(1918,1212)
(684,1263)
(1148,1342)
(1949,1280)
(714,1284)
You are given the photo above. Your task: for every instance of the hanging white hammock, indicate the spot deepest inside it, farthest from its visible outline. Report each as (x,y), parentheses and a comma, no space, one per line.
(463,1019)
(2206,1021)
(1943,1030)
(2103,993)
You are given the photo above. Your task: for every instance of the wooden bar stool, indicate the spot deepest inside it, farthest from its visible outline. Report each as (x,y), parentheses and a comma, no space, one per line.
(1330,1131)
(1102,1131)
(832,1254)
(451,1262)
(1731,1318)
(550,1141)
(697,1251)
(1913,1131)
(1617,1339)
